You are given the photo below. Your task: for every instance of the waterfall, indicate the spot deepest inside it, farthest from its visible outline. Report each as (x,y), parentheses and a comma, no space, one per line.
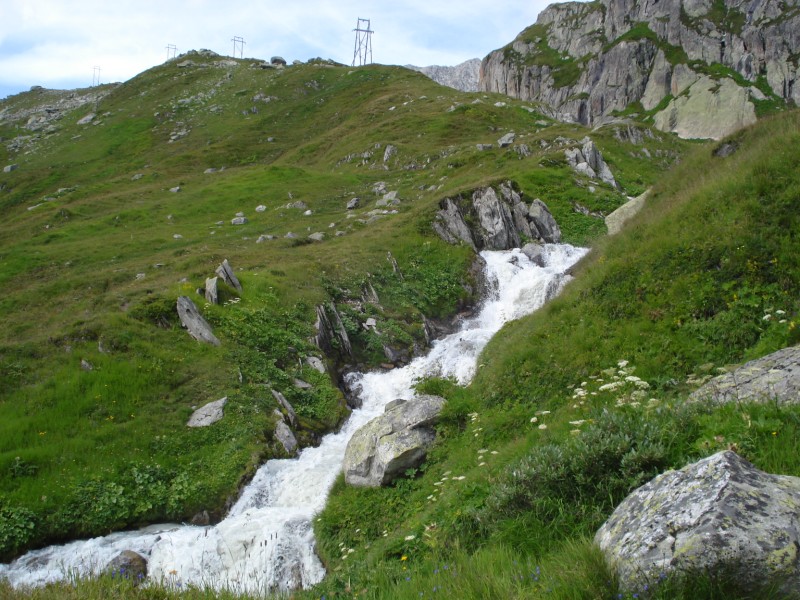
(266,542)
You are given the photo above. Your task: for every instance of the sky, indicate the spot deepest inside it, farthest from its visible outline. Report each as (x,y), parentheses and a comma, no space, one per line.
(58,43)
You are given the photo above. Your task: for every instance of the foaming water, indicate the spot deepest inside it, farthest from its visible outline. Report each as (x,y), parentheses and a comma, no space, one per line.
(266,542)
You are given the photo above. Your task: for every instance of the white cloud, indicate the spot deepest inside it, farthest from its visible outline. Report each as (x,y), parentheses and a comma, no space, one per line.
(56,43)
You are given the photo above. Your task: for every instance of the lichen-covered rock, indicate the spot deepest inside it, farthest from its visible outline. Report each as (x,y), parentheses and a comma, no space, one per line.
(392,443)
(772,378)
(718,514)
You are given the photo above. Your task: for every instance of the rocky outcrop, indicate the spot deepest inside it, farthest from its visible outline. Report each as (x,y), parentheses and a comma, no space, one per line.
(772,378)
(464,77)
(709,61)
(588,161)
(208,414)
(194,322)
(389,445)
(495,218)
(331,335)
(718,515)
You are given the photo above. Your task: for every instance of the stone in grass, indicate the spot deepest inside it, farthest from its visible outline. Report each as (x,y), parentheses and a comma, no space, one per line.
(194,322)
(9,168)
(175,189)
(211,290)
(128,565)
(239,221)
(225,271)
(771,378)
(718,515)
(208,414)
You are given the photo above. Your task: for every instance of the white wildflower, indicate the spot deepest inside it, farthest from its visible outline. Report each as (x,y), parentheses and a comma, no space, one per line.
(534,419)
(622,364)
(578,423)
(410,537)
(542,426)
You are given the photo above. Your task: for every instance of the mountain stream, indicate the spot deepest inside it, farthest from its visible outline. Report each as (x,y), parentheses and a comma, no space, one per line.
(266,542)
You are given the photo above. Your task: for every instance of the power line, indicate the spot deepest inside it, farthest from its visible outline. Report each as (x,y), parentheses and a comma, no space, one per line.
(172,50)
(363,47)
(96,76)
(238,41)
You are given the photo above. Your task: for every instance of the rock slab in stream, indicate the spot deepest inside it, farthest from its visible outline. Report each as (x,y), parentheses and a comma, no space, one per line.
(717,515)
(387,446)
(208,414)
(129,565)
(772,378)
(194,322)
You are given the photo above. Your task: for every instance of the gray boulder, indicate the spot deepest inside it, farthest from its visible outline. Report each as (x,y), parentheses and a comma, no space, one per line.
(278,61)
(772,378)
(128,565)
(545,223)
(506,140)
(194,322)
(315,363)
(239,221)
(720,514)
(285,436)
(353,203)
(287,406)
(616,219)
(535,253)
(208,414)
(9,168)
(387,446)
(495,220)
(211,293)
(225,271)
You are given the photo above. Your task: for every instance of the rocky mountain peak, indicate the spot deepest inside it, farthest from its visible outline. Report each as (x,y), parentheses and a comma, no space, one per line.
(699,68)
(462,77)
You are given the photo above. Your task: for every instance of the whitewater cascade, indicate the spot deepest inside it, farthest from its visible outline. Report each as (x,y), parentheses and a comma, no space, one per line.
(266,542)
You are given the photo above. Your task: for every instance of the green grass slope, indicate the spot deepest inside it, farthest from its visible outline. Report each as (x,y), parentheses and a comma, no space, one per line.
(98,377)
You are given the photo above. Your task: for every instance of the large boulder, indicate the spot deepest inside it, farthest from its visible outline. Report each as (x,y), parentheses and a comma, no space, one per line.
(387,446)
(773,378)
(194,322)
(718,515)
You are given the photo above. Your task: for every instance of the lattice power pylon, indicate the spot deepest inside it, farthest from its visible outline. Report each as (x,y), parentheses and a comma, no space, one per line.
(363,48)
(238,42)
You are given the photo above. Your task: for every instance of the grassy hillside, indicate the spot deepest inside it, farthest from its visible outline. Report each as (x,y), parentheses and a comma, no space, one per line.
(100,379)
(536,452)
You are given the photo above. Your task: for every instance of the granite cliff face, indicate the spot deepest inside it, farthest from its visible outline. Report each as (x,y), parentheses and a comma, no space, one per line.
(700,68)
